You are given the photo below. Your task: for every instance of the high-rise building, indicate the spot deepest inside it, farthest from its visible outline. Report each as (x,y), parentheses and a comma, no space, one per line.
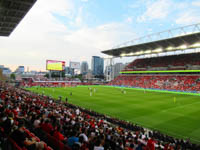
(84,67)
(20,70)
(69,71)
(1,66)
(5,70)
(97,65)
(117,68)
(112,71)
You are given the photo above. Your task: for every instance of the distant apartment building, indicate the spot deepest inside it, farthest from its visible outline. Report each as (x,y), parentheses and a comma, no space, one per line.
(20,70)
(117,68)
(113,71)
(5,70)
(97,65)
(84,67)
(69,71)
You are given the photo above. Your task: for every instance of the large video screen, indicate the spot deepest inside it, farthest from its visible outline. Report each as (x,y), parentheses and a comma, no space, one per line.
(55,65)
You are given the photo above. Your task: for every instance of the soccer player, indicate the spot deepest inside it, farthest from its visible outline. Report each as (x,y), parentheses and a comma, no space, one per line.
(122,91)
(174,99)
(66,99)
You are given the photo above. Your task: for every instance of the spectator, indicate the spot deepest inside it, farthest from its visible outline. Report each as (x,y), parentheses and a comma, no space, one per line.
(71,140)
(58,135)
(23,140)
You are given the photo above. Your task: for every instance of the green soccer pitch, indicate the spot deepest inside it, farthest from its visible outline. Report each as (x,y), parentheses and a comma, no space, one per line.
(174,114)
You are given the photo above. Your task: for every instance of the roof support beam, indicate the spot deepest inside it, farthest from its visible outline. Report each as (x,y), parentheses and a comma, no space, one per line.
(10,18)
(170,43)
(15,10)
(23,2)
(197,37)
(12,12)
(183,40)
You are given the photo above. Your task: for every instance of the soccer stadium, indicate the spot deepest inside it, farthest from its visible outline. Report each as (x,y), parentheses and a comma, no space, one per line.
(153,104)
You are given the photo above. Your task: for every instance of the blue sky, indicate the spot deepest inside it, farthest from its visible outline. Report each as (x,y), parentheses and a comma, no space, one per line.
(75,30)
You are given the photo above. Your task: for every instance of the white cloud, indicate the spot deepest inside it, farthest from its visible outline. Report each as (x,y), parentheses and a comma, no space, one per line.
(41,36)
(36,36)
(84,0)
(91,41)
(78,19)
(156,10)
(196,3)
(129,20)
(188,17)
(61,7)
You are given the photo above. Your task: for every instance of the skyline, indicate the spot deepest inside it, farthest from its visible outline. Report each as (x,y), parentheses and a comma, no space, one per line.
(76,30)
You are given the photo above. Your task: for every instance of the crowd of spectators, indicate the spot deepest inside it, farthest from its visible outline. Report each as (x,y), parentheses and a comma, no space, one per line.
(30,83)
(165,82)
(169,62)
(75,127)
(43,78)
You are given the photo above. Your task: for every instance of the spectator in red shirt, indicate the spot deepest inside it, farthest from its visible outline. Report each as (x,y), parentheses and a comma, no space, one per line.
(47,127)
(151,144)
(58,135)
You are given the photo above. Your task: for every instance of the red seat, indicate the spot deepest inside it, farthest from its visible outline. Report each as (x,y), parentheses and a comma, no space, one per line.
(56,143)
(14,145)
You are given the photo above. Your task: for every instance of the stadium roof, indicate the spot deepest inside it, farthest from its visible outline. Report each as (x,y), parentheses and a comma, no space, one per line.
(11,13)
(183,38)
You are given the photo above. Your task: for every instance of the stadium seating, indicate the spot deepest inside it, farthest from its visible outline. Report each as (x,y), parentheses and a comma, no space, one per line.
(166,82)
(56,143)
(175,62)
(14,145)
(51,83)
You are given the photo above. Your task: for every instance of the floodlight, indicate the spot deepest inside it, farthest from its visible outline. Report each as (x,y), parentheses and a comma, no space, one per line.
(130,54)
(147,52)
(108,57)
(170,48)
(196,44)
(139,53)
(158,50)
(123,54)
(182,46)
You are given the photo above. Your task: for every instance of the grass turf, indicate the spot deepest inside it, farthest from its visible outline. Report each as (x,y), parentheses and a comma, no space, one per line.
(154,110)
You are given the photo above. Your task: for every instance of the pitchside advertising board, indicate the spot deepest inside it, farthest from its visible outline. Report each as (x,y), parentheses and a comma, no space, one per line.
(55,65)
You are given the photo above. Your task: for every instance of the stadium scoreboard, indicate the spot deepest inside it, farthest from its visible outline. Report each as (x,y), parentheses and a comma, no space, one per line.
(55,65)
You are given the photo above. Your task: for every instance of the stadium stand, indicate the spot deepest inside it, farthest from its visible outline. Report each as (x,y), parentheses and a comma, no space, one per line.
(175,62)
(75,128)
(179,82)
(175,81)
(29,82)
